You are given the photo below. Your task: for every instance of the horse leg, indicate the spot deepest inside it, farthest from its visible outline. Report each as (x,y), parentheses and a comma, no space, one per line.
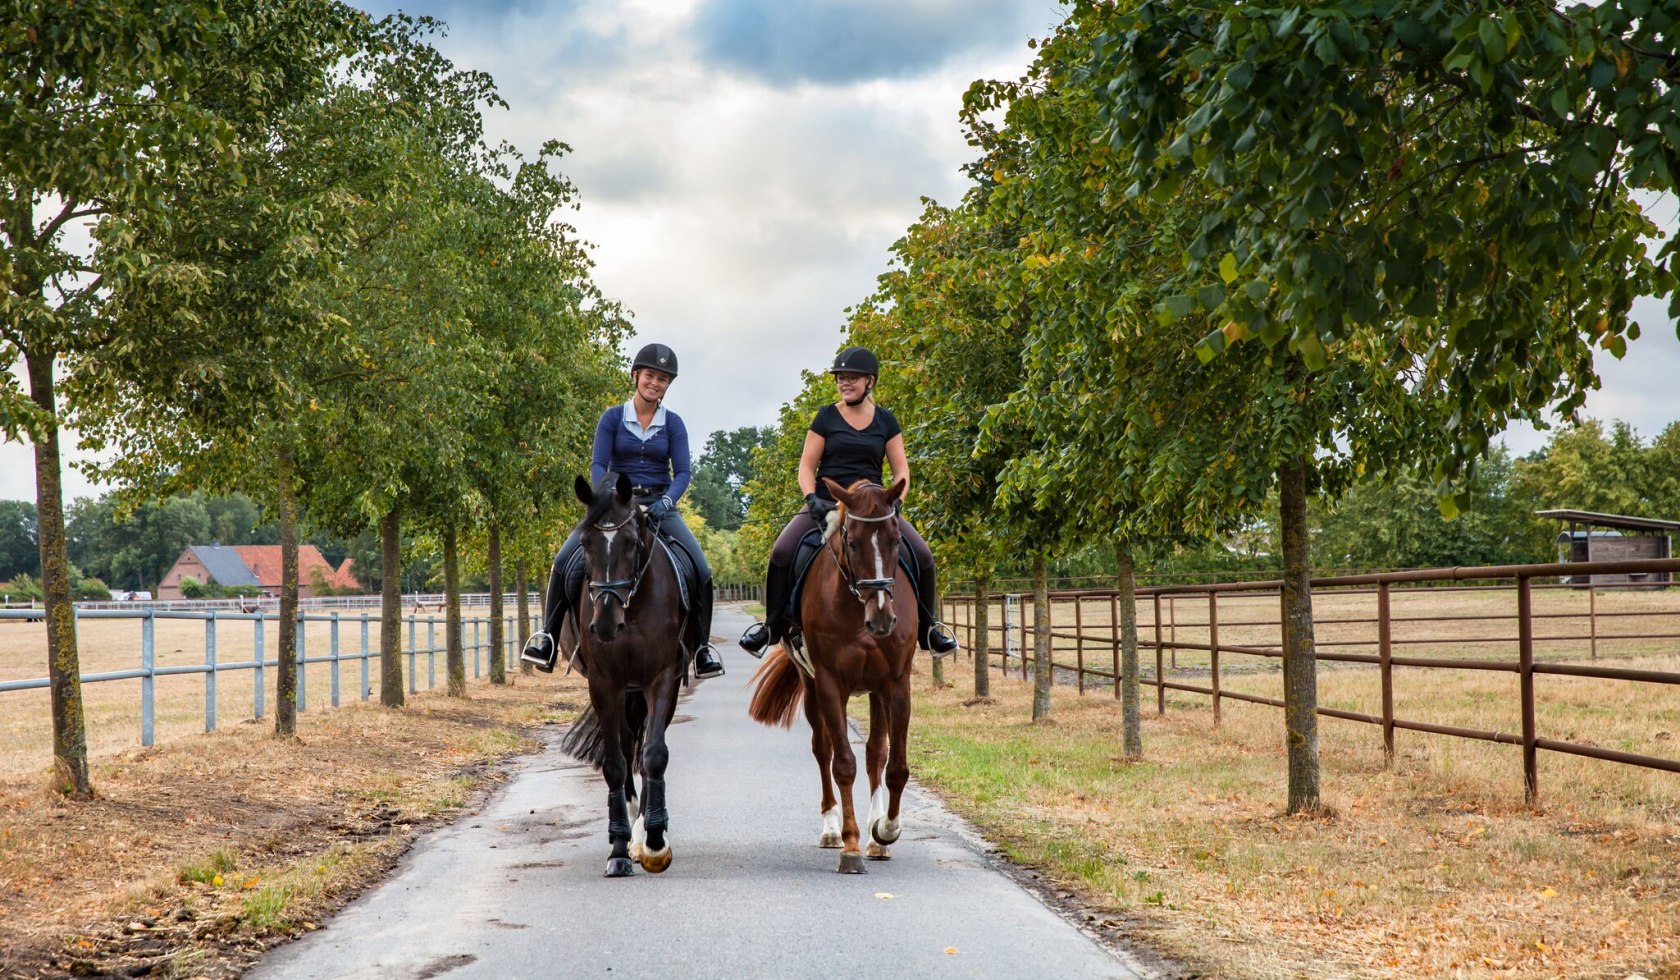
(898,761)
(825,759)
(876,761)
(635,724)
(656,852)
(832,700)
(615,768)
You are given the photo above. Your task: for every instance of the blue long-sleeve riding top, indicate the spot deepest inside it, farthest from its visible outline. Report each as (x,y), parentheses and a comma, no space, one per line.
(656,457)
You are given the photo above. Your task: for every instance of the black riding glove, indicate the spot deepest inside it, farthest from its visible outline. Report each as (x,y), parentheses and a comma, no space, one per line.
(818,507)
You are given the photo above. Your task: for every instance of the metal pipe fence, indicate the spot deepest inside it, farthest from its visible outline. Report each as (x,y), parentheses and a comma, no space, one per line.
(338,654)
(1197,620)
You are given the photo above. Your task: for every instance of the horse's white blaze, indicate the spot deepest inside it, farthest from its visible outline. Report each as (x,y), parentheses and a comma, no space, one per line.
(609,535)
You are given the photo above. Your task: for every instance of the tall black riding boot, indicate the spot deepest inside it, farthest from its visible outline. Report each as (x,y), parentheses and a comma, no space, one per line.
(706,660)
(930,632)
(778,588)
(565,580)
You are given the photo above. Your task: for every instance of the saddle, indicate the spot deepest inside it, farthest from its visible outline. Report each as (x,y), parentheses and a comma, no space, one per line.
(569,641)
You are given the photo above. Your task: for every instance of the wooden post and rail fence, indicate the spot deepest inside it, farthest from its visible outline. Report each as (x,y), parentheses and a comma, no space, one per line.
(1653,629)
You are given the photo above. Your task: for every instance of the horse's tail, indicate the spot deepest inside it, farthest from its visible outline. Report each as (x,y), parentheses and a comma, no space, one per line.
(585,742)
(779,690)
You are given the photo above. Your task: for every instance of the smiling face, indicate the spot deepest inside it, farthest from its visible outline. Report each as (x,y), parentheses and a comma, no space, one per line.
(852,386)
(651,384)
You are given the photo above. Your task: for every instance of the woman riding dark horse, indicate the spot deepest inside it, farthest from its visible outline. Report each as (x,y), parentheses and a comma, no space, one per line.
(647,442)
(847,442)
(629,634)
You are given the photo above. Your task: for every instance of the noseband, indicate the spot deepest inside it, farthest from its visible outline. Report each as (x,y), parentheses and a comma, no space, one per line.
(859,586)
(622,589)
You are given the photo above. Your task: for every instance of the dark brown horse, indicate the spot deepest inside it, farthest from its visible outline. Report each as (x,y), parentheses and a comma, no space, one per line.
(630,647)
(858,619)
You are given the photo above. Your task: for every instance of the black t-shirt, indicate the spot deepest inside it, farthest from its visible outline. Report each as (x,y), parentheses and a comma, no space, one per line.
(849,454)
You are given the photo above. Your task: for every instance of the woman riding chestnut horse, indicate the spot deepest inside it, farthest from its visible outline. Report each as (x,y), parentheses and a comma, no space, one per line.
(854,627)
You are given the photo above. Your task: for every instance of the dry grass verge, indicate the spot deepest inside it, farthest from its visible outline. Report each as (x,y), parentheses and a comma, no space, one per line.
(199,854)
(1432,868)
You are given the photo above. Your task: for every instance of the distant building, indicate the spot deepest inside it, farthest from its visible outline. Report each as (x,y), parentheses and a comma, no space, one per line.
(1613,537)
(253,564)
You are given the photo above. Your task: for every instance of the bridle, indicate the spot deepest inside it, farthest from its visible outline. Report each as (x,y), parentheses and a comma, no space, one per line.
(858,586)
(622,589)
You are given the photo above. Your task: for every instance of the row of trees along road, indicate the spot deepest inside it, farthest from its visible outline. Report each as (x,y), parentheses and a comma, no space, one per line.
(1221,251)
(311,280)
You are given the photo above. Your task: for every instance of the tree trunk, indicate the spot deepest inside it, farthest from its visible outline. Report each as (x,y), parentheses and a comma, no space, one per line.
(390,611)
(64,669)
(454,661)
(1041,639)
(1300,665)
(982,635)
(498,637)
(1131,719)
(285,683)
(522,572)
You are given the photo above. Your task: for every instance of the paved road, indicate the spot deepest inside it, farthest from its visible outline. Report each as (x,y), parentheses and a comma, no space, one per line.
(516,890)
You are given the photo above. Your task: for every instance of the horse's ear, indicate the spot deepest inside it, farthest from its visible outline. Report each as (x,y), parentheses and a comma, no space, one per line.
(838,492)
(897,489)
(585,492)
(623,488)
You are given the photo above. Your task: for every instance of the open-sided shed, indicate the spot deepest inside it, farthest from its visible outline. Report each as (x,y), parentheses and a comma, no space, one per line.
(1613,537)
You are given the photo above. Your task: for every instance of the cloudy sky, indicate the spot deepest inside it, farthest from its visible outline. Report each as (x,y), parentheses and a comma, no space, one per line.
(745,164)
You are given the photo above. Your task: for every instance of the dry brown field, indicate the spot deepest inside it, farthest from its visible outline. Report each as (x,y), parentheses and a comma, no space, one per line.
(113,707)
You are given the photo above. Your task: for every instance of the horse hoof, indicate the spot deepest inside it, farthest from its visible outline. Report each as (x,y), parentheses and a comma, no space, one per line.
(851,863)
(619,868)
(828,840)
(877,852)
(653,862)
(637,854)
(885,831)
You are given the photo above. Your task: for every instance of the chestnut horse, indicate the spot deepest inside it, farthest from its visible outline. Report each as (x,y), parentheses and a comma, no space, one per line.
(630,625)
(858,618)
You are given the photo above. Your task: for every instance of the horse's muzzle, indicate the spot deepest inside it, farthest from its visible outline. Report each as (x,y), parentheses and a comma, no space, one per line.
(882,626)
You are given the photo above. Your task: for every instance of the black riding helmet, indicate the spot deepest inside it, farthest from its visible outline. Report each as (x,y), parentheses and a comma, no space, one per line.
(656,356)
(856,360)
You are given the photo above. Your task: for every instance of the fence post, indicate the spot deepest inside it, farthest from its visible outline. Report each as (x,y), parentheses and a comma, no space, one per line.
(431,652)
(302,667)
(1172,625)
(1079,641)
(1114,635)
(1592,617)
(413,653)
(210,672)
(257,699)
(334,644)
(367,690)
(1385,655)
(1525,666)
(148,662)
(1160,675)
(1213,650)
(1007,626)
(477,639)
